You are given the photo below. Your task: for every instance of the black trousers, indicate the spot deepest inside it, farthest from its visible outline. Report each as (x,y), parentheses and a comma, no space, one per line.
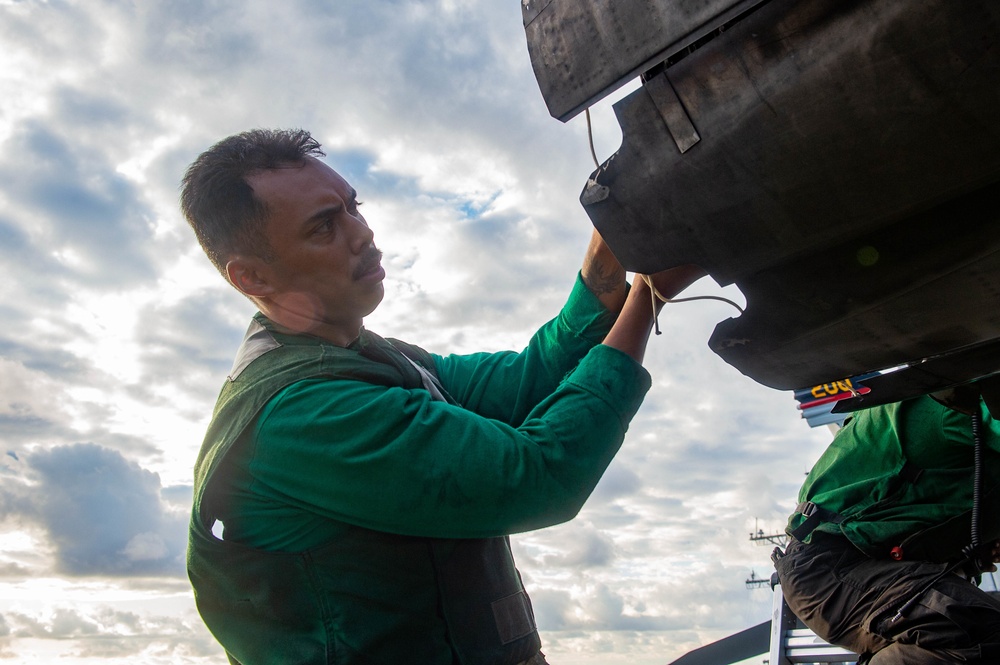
(850,600)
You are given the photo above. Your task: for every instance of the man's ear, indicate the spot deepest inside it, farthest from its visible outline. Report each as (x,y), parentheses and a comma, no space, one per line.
(246,274)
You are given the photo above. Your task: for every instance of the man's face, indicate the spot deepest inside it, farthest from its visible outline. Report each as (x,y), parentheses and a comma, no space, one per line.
(325,274)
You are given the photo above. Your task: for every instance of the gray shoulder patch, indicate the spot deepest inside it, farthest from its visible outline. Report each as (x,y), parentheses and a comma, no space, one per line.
(256,342)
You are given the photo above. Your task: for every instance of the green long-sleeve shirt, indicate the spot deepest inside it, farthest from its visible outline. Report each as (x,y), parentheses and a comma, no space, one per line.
(524,446)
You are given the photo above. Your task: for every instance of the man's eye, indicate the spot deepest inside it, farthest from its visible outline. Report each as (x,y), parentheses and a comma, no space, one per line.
(353,209)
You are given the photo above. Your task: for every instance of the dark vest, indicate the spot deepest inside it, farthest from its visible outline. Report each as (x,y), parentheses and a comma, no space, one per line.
(369,597)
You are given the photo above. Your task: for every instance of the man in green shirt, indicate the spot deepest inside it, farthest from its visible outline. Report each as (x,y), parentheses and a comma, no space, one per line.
(887,534)
(365,487)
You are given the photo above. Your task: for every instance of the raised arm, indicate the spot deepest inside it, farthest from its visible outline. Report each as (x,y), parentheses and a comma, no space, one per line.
(631,331)
(603,274)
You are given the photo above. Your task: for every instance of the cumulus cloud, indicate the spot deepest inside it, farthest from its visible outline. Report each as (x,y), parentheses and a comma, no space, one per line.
(100,631)
(579,546)
(86,214)
(182,361)
(598,607)
(102,513)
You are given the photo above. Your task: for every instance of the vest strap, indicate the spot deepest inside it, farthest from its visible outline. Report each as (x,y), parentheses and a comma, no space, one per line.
(815,516)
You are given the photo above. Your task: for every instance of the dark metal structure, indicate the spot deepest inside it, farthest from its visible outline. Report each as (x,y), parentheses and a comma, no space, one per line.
(745,644)
(838,160)
(581,51)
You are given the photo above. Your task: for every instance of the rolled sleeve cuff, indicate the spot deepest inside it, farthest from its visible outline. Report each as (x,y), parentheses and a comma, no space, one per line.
(584,314)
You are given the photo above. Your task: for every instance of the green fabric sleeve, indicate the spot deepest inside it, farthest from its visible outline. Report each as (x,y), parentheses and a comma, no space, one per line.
(507,385)
(394,460)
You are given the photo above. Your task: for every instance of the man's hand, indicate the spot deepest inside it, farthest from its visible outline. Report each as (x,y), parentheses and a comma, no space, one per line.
(603,274)
(668,283)
(605,277)
(631,331)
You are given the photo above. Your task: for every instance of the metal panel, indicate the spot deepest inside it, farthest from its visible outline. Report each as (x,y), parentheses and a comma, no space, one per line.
(945,371)
(934,288)
(582,50)
(672,111)
(846,179)
(740,646)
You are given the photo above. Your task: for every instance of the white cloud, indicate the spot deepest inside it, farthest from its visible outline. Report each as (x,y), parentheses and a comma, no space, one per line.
(102,514)
(98,631)
(147,546)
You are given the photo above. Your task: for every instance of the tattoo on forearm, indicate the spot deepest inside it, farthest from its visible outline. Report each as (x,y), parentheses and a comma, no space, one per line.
(601,279)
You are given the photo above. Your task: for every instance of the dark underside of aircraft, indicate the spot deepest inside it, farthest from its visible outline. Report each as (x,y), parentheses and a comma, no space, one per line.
(837,160)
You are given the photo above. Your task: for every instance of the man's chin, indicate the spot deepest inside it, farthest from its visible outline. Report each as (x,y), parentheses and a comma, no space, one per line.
(378,296)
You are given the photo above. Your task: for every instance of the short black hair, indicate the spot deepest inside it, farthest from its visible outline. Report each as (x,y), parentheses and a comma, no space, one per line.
(218,202)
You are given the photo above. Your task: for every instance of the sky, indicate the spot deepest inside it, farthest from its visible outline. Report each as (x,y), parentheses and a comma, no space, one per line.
(119,332)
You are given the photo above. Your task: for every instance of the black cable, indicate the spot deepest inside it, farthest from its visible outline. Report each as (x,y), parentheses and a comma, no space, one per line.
(915,598)
(977,486)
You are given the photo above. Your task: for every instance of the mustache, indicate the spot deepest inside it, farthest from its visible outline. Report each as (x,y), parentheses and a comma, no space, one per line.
(371,258)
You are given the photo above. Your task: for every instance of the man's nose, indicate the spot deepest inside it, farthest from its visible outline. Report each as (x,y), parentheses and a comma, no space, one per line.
(361,235)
